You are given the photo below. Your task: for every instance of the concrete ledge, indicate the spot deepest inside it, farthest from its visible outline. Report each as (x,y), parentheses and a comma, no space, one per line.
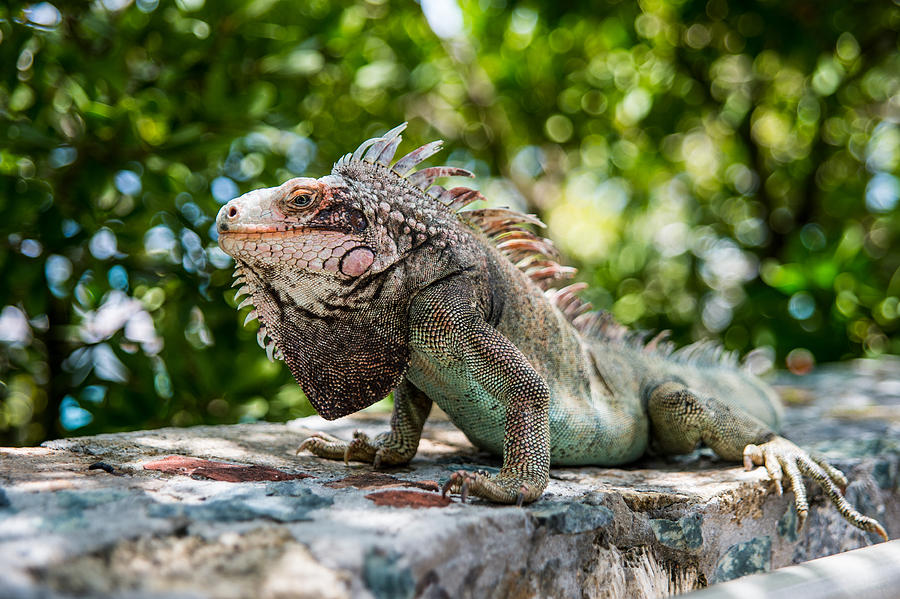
(871,572)
(113,515)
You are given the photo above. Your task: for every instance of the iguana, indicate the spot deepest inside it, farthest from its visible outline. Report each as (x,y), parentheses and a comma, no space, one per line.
(371,280)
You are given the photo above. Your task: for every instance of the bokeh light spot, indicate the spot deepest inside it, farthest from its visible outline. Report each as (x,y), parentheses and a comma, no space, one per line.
(801,305)
(444,17)
(128,182)
(103,244)
(882,193)
(224,189)
(72,416)
(800,361)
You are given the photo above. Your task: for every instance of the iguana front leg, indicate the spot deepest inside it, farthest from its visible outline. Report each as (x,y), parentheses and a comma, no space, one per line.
(395,447)
(447,325)
(680,419)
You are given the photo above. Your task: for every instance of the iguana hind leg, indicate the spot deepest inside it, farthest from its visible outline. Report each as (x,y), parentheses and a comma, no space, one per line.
(680,420)
(397,446)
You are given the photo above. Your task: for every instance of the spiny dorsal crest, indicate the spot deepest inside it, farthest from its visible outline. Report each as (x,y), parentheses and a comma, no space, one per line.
(533,255)
(507,229)
(380,151)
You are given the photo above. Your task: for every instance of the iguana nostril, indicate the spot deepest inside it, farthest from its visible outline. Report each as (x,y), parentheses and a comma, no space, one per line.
(232,212)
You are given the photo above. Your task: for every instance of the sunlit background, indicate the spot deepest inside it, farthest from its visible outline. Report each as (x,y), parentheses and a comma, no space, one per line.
(721,169)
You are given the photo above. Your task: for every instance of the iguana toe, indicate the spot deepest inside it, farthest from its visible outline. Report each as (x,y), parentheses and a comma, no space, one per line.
(784,459)
(833,473)
(324,446)
(754,455)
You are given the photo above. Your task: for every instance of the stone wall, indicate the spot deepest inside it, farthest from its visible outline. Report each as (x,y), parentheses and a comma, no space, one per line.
(230,511)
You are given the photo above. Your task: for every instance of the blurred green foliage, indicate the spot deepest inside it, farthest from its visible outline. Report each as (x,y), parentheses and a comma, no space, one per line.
(718,168)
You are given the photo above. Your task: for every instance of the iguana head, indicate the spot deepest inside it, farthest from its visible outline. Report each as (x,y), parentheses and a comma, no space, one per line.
(303,225)
(326,263)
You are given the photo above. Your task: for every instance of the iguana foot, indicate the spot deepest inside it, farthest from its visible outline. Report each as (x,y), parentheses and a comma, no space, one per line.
(782,458)
(361,449)
(502,487)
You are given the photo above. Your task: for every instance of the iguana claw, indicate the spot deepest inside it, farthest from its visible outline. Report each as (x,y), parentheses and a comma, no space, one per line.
(459,481)
(781,457)
(521,498)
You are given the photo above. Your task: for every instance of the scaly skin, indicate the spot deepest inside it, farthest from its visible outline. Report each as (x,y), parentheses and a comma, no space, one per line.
(368,280)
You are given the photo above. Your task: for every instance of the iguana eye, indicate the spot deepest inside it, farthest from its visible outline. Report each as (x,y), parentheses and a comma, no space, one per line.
(301,200)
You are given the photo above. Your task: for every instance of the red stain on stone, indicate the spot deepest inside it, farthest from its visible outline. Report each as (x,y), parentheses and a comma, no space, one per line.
(375,480)
(412,499)
(232,473)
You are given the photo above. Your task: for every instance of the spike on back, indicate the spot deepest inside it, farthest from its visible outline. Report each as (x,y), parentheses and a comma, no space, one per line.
(459,197)
(533,255)
(383,148)
(408,162)
(358,153)
(387,154)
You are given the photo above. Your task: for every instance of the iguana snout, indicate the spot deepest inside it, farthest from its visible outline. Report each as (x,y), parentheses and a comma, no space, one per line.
(304,224)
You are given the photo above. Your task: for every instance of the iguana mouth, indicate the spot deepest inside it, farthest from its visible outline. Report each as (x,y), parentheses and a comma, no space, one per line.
(256,231)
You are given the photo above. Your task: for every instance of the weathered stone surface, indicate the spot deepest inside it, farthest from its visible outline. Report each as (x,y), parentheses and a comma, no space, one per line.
(86,517)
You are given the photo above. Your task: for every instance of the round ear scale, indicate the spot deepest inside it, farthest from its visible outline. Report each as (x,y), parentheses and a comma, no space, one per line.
(357,261)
